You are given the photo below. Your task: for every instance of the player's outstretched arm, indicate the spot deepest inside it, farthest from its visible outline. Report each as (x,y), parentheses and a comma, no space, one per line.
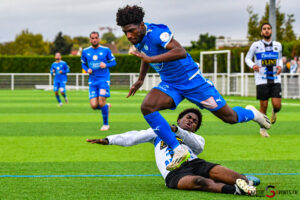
(103,141)
(176,52)
(143,71)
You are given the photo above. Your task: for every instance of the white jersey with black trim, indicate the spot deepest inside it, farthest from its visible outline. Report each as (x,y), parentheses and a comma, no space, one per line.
(267,55)
(163,154)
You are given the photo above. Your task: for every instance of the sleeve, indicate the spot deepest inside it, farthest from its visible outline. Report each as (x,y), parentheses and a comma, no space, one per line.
(132,138)
(111,60)
(161,36)
(84,62)
(66,68)
(194,141)
(250,55)
(280,63)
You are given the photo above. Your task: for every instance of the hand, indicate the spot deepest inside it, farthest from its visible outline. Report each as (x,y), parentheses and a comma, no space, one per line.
(174,128)
(278,70)
(60,72)
(256,68)
(90,71)
(98,141)
(53,70)
(142,56)
(102,65)
(134,88)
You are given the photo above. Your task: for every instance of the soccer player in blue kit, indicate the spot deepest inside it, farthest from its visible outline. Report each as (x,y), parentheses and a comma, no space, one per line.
(60,69)
(96,60)
(181,79)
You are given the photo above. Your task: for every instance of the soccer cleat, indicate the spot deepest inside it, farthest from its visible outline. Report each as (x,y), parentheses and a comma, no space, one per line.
(180,156)
(260,118)
(66,100)
(60,105)
(253,181)
(263,132)
(104,128)
(273,117)
(245,188)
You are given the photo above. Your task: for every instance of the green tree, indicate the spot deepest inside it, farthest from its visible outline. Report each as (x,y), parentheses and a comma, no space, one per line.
(282,27)
(289,34)
(109,37)
(62,44)
(205,42)
(27,43)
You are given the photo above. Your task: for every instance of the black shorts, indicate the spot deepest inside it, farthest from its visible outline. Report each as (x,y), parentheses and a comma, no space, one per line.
(196,167)
(266,91)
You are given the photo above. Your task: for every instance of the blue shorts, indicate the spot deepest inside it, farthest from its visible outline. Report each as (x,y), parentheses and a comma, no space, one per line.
(204,95)
(59,85)
(99,89)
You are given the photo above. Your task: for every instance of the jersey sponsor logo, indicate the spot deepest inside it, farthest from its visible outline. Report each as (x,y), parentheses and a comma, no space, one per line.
(266,55)
(95,57)
(269,62)
(164,37)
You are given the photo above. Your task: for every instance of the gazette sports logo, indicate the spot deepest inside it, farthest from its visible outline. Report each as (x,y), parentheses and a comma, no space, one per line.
(271,192)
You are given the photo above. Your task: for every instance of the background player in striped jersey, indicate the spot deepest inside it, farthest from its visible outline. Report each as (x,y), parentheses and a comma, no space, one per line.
(195,174)
(96,60)
(59,69)
(267,68)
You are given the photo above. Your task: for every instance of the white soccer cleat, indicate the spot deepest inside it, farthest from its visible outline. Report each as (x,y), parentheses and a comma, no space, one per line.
(260,118)
(60,105)
(273,117)
(181,154)
(104,128)
(263,132)
(244,187)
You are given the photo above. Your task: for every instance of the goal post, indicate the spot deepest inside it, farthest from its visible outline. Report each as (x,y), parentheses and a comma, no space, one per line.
(202,53)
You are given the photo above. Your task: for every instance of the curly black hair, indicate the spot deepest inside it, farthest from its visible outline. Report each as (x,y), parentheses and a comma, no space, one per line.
(130,15)
(192,110)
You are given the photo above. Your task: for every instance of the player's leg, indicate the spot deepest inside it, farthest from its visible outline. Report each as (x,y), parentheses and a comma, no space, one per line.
(263,106)
(209,185)
(224,175)
(63,91)
(104,92)
(157,100)
(55,89)
(276,101)
(93,96)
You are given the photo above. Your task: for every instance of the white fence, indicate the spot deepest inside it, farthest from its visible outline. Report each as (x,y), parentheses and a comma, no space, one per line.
(241,84)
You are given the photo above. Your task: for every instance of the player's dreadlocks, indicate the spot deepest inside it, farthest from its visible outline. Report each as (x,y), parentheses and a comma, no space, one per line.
(130,15)
(192,110)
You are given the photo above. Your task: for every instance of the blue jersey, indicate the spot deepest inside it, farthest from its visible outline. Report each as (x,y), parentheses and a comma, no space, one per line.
(91,59)
(60,66)
(154,43)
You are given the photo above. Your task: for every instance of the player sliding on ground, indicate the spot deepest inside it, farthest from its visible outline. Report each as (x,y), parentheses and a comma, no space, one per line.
(181,79)
(195,174)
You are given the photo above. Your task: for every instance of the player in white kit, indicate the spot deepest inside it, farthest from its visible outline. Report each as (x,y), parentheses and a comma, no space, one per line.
(195,174)
(267,68)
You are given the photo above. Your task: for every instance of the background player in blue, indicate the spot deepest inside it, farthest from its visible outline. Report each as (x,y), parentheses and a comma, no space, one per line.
(181,79)
(60,69)
(96,60)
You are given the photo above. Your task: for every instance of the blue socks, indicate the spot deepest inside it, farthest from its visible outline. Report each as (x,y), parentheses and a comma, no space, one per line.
(105,113)
(161,127)
(58,99)
(243,114)
(64,95)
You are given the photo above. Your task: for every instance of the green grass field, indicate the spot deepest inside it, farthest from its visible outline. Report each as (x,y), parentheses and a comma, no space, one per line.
(39,138)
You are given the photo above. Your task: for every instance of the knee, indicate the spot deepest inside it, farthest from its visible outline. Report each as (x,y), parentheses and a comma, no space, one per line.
(202,182)
(56,93)
(277,108)
(94,106)
(230,119)
(101,104)
(62,93)
(147,108)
